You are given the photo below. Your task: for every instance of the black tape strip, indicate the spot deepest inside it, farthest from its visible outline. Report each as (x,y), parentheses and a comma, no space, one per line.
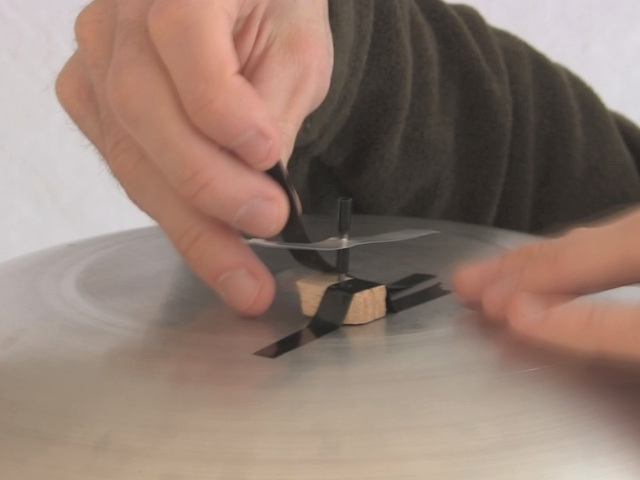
(331,313)
(336,301)
(396,301)
(294,231)
(409,282)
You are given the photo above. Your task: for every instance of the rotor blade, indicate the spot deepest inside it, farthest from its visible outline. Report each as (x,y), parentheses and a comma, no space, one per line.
(337,243)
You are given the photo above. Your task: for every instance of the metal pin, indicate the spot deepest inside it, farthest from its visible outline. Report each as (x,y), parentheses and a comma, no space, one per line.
(344,228)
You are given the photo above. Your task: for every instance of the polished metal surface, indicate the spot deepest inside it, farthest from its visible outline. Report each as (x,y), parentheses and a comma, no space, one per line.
(115,363)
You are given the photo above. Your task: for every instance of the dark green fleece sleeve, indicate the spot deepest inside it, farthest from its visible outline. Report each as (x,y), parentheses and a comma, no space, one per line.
(433,113)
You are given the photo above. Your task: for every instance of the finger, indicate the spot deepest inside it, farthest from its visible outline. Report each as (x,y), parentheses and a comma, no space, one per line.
(498,295)
(471,280)
(95,33)
(213,251)
(584,261)
(196,43)
(206,176)
(75,94)
(588,326)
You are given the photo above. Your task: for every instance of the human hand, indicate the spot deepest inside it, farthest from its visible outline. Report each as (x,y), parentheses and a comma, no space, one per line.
(189,102)
(540,290)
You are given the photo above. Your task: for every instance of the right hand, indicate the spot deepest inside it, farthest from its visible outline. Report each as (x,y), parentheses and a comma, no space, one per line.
(189,102)
(543,291)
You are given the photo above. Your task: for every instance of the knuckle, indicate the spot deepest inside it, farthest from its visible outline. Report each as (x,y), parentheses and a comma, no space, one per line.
(126,160)
(86,26)
(202,107)
(124,157)
(124,90)
(191,241)
(83,27)
(75,92)
(64,86)
(194,184)
(121,93)
(71,87)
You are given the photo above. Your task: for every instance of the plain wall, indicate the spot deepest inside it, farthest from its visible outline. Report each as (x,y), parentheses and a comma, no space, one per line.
(54,188)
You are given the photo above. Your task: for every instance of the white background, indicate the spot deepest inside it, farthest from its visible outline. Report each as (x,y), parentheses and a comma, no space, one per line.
(54,188)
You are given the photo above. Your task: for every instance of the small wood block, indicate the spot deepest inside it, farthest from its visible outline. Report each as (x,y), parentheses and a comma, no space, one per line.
(366,306)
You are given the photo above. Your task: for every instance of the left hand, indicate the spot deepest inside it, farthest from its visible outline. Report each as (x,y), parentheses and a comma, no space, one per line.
(540,290)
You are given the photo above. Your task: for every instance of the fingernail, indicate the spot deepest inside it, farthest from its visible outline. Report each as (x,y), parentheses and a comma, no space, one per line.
(254,147)
(259,217)
(238,288)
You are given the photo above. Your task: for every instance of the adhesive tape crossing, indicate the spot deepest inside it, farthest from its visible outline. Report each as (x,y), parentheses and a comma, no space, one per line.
(331,313)
(337,299)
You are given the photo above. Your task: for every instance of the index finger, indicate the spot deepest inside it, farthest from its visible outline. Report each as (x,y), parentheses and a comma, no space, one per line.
(195,41)
(584,261)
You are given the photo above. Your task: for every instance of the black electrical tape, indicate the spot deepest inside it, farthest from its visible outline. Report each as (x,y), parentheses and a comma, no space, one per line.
(294,231)
(396,302)
(332,311)
(336,301)
(409,282)
(398,299)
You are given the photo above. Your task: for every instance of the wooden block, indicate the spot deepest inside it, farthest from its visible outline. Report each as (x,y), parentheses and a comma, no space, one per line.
(366,306)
